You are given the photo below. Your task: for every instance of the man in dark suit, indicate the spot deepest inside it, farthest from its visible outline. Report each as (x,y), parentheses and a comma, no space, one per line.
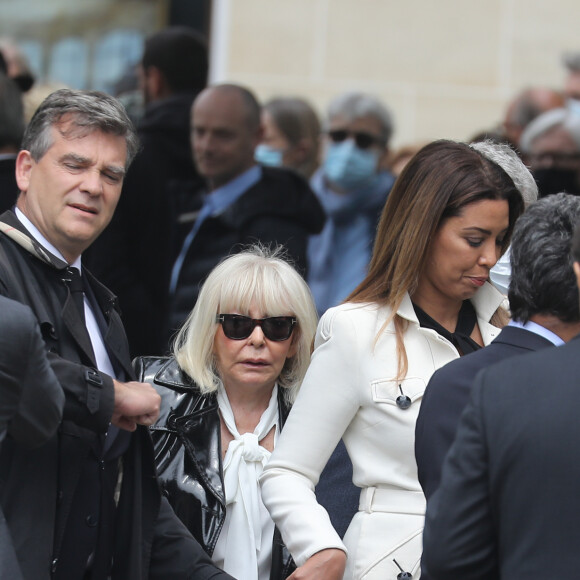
(508,503)
(88,505)
(31,401)
(244,202)
(544,308)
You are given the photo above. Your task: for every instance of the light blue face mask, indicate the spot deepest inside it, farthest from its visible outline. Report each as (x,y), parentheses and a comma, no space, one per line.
(348,166)
(266,155)
(573,105)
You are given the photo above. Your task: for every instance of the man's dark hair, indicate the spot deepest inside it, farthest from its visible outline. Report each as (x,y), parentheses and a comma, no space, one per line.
(542,278)
(180,53)
(576,243)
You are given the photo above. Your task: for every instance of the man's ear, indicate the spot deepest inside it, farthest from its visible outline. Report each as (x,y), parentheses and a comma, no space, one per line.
(24,164)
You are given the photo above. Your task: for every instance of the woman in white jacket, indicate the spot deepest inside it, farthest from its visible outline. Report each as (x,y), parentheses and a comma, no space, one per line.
(425,301)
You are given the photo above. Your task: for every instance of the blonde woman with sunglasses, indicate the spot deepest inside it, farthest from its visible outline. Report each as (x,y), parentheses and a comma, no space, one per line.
(237,365)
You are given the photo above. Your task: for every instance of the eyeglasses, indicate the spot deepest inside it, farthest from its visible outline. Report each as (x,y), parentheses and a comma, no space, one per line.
(362,139)
(238,327)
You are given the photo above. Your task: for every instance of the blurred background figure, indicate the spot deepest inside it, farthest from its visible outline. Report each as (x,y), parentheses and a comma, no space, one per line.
(291,135)
(551,143)
(17,66)
(572,82)
(128,90)
(524,108)
(11,131)
(400,157)
(143,231)
(242,202)
(34,97)
(352,185)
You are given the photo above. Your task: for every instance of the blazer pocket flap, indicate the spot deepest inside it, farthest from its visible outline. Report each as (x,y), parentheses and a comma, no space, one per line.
(387,391)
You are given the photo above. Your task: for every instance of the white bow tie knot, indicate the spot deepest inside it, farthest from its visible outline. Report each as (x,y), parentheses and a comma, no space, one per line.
(251,449)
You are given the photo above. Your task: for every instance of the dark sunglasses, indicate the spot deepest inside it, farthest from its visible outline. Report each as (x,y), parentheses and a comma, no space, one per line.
(238,327)
(362,139)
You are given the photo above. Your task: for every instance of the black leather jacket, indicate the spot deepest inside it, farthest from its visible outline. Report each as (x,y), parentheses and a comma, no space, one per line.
(188,455)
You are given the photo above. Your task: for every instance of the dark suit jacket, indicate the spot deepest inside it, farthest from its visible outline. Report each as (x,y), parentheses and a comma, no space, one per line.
(447,394)
(31,399)
(509,504)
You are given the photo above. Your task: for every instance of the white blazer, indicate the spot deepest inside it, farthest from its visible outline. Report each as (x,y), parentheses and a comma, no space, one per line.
(350,391)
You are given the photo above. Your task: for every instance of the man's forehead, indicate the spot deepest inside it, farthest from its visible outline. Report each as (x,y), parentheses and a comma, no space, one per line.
(76,141)
(220,107)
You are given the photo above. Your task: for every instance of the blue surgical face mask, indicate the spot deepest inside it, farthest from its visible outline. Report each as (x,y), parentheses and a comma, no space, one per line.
(266,155)
(573,105)
(348,166)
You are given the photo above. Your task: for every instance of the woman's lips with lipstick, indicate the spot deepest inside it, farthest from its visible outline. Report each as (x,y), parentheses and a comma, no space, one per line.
(478,281)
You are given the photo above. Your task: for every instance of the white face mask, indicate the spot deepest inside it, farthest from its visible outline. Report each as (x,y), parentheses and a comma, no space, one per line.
(573,106)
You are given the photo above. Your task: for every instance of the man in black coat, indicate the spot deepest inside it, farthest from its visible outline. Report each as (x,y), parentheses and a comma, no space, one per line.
(134,255)
(544,308)
(87,506)
(31,402)
(244,202)
(508,502)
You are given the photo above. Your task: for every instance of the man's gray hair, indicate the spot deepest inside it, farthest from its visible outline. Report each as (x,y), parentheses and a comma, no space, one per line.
(542,280)
(503,155)
(546,122)
(87,111)
(353,106)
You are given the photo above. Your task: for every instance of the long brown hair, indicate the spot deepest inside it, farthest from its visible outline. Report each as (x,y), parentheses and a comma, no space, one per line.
(436,184)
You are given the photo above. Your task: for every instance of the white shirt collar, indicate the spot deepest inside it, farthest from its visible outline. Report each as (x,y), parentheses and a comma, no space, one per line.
(540,330)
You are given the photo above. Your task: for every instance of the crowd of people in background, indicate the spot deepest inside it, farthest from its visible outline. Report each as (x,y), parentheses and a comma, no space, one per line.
(248,340)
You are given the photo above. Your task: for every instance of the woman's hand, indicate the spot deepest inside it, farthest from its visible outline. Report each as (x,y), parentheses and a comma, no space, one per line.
(324,565)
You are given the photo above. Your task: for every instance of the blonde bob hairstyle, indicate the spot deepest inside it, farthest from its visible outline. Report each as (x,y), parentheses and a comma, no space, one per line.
(257,277)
